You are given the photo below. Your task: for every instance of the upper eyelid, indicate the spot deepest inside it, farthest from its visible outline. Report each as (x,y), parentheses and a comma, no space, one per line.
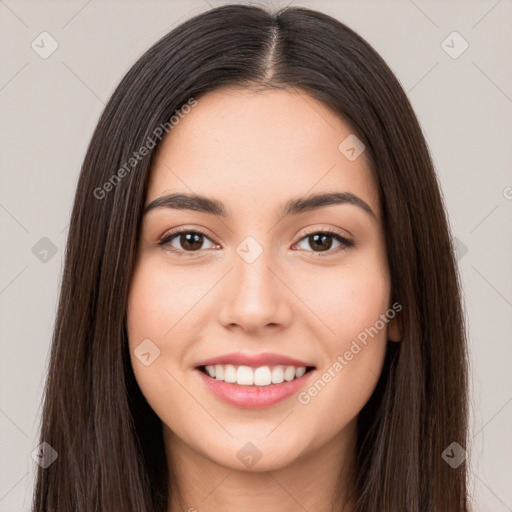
(334,231)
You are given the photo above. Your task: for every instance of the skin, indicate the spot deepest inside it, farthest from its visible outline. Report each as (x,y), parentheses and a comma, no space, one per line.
(255,151)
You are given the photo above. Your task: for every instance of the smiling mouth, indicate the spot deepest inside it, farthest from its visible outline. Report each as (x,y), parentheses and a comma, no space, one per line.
(259,377)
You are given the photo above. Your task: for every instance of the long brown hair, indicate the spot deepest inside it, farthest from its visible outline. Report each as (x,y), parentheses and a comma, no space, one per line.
(109,441)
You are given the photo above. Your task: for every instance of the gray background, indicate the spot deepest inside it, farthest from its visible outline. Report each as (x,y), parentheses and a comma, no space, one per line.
(49,108)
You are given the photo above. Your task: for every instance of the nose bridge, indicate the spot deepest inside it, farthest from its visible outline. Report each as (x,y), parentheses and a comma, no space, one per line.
(255,283)
(255,296)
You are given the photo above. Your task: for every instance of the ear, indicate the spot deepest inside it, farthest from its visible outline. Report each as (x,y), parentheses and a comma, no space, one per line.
(395,328)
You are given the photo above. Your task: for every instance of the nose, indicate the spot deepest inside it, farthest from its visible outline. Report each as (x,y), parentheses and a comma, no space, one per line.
(255,297)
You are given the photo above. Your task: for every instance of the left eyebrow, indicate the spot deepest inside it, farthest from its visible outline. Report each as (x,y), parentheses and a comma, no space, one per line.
(296,206)
(315,201)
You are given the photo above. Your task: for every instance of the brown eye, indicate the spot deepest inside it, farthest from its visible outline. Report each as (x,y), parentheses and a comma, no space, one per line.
(322,242)
(191,241)
(188,241)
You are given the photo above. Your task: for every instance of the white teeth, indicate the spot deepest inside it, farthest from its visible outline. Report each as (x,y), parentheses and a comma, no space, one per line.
(229,373)
(248,376)
(262,376)
(289,373)
(299,372)
(245,376)
(277,375)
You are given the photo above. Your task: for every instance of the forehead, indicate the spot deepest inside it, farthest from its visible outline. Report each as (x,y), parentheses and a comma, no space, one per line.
(258,149)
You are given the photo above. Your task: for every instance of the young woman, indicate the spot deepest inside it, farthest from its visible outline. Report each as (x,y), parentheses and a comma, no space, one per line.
(260,307)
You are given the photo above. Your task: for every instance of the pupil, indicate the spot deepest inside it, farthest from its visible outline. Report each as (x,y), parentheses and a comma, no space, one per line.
(189,239)
(320,239)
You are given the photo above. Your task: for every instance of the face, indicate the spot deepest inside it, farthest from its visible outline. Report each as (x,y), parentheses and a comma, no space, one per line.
(258,323)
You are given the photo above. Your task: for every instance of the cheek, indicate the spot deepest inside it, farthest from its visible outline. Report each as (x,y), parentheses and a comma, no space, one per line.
(153,309)
(351,302)
(166,307)
(157,319)
(351,298)
(160,302)
(357,305)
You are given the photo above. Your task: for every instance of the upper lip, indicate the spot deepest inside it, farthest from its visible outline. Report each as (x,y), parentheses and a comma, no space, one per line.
(254,360)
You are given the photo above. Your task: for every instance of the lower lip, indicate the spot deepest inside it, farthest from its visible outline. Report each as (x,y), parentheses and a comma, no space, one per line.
(254,397)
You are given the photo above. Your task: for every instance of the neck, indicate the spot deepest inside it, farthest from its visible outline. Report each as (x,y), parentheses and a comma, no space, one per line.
(314,481)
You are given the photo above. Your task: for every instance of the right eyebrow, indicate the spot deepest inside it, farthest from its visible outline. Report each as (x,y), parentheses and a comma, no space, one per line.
(188,202)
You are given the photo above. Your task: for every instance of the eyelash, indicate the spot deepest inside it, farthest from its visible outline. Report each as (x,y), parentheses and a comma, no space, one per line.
(338,236)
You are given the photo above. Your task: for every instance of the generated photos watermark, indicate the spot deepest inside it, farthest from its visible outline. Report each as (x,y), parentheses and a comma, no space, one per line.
(144,150)
(304,397)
